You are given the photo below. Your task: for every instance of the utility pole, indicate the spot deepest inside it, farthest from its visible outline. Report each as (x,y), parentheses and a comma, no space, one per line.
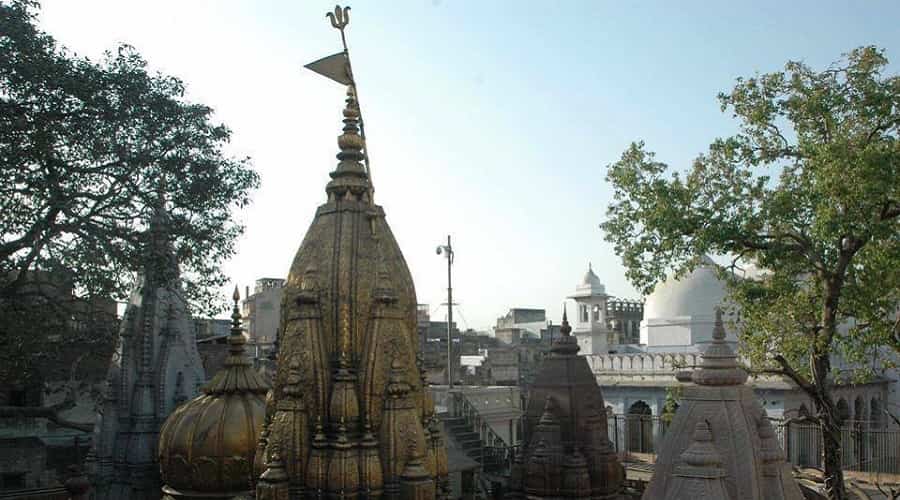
(448,251)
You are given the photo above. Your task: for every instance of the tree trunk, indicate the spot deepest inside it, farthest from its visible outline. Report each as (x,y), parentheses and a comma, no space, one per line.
(829,418)
(834,473)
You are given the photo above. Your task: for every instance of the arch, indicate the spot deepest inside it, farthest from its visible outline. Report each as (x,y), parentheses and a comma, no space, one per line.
(805,436)
(843,410)
(859,410)
(639,427)
(860,448)
(876,415)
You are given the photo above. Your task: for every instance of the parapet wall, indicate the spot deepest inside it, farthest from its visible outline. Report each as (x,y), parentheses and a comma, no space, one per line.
(650,363)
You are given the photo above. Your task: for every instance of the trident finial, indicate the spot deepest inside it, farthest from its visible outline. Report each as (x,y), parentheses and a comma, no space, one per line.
(339,18)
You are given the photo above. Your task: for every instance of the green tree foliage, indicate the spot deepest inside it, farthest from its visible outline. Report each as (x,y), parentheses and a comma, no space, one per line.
(808,191)
(673,398)
(86,151)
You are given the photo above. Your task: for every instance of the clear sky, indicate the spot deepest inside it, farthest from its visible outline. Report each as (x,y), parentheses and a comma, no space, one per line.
(490,121)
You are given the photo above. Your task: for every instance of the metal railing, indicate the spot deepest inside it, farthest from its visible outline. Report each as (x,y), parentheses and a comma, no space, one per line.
(867,447)
(494,449)
(464,408)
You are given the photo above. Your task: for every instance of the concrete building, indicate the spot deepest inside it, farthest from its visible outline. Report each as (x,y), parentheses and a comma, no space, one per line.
(432,337)
(603,323)
(262,314)
(677,327)
(501,366)
(520,323)
(205,328)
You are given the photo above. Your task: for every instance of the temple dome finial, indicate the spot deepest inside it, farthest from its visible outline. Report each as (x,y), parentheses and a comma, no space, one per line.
(719,365)
(566,344)
(350,178)
(565,329)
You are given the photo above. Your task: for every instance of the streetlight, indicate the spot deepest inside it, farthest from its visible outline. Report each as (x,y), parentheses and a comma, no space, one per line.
(447,250)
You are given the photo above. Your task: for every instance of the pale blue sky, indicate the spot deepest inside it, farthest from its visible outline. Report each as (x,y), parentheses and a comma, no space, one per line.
(491,121)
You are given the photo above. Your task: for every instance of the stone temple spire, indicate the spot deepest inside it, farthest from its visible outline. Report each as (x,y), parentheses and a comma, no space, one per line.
(719,365)
(359,422)
(567,452)
(156,367)
(720,437)
(699,473)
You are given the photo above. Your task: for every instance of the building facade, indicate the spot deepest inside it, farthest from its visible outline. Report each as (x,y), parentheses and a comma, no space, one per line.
(603,323)
(261,311)
(520,323)
(679,320)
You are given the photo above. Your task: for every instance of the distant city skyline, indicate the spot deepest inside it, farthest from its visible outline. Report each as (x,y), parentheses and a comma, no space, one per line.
(492,121)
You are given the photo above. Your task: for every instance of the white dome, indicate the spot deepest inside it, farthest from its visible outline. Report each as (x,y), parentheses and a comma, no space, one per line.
(590,285)
(695,295)
(591,279)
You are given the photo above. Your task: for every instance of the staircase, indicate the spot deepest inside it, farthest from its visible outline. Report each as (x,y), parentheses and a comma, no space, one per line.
(463,432)
(476,438)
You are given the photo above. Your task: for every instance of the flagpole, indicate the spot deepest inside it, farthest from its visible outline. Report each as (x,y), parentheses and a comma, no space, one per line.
(339,20)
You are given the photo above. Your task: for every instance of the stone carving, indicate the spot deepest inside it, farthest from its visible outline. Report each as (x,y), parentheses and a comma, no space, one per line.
(567,452)
(720,444)
(347,348)
(155,368)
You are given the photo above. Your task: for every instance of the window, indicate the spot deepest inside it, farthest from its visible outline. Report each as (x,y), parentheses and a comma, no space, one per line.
(584,313)
(596,314)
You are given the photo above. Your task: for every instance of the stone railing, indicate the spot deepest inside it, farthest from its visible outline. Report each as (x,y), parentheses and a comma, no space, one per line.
(649,363)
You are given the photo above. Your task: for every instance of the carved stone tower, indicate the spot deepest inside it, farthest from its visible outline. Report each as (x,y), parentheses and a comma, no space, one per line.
(720,444)
(155,368)
(567,451)
(350,414)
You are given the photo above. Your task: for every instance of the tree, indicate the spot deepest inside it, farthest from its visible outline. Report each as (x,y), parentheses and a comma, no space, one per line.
(808,192)
(88,151)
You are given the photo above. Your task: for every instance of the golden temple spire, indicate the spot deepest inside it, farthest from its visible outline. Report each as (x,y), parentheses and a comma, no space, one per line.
(238,374)
(338,68)
(349,180)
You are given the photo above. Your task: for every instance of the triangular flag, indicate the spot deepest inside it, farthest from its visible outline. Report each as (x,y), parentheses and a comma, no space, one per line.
(333,66)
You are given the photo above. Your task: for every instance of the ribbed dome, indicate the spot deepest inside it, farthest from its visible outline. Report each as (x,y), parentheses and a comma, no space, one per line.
(695,295)
(207,445)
